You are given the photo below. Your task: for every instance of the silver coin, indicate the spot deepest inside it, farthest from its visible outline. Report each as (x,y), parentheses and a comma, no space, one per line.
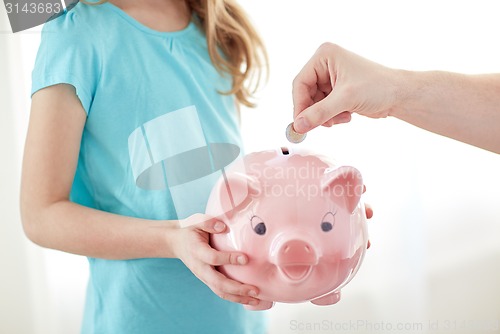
(293,136)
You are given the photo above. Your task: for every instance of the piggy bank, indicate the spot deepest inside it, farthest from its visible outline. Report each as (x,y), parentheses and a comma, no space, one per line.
(300,220)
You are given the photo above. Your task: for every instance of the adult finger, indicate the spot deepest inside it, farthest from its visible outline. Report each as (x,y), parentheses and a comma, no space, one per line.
(319,113)
(343,117)
(314,77)
(303,91)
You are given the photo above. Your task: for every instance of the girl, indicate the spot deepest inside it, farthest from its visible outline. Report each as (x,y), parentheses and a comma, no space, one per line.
(120,89)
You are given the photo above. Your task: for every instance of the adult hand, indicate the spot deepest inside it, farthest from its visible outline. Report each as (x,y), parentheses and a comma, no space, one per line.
(193,248)
(335,83)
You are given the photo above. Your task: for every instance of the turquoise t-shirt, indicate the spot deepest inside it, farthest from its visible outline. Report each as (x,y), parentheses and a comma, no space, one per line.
(157,135)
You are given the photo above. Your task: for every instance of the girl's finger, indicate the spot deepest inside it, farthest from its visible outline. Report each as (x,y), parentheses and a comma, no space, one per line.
(368,211)
(229,289)
(217,258)
(212,226)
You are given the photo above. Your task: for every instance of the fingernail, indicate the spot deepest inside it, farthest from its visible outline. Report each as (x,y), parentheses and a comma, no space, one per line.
(252,293)
(253,302)
(301,125)
(219,226)
(293,136)
(242,259)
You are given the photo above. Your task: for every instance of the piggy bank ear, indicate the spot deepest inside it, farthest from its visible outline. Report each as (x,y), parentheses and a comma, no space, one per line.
(235,189)
(344,185)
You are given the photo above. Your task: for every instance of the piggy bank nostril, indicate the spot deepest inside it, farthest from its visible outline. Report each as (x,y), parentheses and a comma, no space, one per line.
(297,251)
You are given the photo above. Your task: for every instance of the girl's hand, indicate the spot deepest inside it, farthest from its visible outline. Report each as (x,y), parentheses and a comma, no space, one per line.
(369,214)
(192,247)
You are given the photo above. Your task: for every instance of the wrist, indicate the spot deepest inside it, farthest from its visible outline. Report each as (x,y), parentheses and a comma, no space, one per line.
(418,92)
(406,86)
(170,238)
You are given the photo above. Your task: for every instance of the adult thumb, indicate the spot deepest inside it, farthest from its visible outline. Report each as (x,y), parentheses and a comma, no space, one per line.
(318,114)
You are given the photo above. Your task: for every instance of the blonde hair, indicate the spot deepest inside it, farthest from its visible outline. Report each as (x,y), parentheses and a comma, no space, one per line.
(228,29)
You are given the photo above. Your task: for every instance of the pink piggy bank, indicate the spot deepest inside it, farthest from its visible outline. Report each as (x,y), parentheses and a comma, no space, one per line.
(299,219)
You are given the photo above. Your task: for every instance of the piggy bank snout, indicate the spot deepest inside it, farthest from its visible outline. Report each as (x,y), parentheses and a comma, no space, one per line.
(295,259)
(296,252)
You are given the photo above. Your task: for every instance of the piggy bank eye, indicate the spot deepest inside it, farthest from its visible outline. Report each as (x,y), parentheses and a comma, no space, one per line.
(327,222)
(258,225)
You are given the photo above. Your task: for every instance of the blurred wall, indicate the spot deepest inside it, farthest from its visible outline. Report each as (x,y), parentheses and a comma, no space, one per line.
(15,289)
(435,261)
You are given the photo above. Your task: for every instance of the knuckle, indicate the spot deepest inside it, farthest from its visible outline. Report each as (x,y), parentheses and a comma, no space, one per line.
(224,295)
(328,124)
(328,47)
(325,45)
(233,259)
(349,92)
(204,222)
(239,300)
(296,81)
(322,109)
(242,291)
(213,258)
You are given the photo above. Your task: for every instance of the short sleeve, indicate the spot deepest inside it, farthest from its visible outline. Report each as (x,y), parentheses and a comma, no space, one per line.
(68,53)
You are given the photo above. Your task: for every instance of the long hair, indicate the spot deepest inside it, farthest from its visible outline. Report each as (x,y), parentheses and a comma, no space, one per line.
(233,43)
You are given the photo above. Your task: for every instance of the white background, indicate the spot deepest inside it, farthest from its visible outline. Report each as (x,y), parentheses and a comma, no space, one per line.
(434,265)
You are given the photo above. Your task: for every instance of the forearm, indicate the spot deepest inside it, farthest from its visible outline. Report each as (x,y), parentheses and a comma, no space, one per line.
(459,106)
(49,219)
(76,229)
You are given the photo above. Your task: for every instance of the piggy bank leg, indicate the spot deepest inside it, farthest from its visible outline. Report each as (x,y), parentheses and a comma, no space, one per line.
(263,305)
(328,299)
